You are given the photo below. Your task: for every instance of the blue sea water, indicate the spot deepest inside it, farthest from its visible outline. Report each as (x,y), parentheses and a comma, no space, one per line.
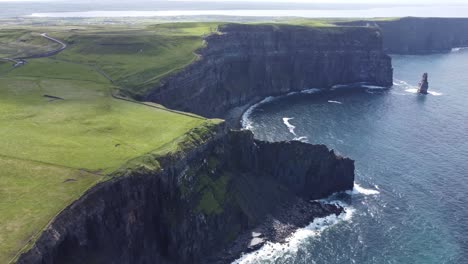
(411,152)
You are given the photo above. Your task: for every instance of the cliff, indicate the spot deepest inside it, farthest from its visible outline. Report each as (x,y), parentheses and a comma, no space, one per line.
(182,207)
(244,63)
(420,35)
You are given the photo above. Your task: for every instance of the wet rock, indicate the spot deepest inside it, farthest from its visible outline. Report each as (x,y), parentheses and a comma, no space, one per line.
(424,84)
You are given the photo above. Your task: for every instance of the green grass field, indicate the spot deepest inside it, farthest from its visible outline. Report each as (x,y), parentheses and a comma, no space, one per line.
(61,129)
(137,59)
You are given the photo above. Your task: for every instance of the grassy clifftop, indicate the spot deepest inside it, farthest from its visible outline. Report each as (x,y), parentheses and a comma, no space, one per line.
(62,129)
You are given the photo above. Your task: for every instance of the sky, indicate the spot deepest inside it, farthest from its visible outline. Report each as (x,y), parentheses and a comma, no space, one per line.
(302,8)
(374,2)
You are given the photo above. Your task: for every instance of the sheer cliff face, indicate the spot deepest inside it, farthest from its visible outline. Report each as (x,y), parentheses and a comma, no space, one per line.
(245,63)
(421,35)
(193,206)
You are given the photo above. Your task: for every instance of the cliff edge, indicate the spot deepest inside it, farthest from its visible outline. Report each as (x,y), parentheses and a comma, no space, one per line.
(411,35)
(245,63)
(185,206)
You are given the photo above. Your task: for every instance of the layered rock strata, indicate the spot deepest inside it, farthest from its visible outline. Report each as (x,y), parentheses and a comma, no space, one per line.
(413,35)
(245,63)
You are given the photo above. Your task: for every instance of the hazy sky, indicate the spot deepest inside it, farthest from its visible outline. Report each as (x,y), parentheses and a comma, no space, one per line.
(302,8)
(403,2)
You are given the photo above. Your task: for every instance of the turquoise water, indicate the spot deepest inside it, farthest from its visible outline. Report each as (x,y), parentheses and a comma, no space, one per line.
(411,155)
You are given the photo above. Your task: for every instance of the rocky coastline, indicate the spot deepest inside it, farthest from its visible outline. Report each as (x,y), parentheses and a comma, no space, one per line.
(224,192)
(245,63)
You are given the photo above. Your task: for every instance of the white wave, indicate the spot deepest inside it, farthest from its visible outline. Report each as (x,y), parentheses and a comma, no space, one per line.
(302,139)
(289,125)
(340,86)
(401,83)
(274,252)
(412,90)
(435,93)
(459,49)
(358,85)
(334,102)
(358,189)
(415,91)
(374,87)
(311,91)
(246,123)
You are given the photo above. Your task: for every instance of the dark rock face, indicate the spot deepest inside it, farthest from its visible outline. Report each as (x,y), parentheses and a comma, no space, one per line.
(420,35)
(246,63)
(195,205)
(424,84)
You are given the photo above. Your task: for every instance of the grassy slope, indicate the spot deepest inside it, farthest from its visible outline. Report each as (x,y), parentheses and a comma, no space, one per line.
(137,59)
(31,194)
(21,42)
(88,134)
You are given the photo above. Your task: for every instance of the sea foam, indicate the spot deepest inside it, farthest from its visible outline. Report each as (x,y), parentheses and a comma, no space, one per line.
(281,252)
(246,123)
(289,125)
(334,102)
(274,252)
(358,189)
(415,91)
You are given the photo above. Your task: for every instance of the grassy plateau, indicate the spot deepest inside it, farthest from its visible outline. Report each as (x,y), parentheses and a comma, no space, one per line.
(62,130)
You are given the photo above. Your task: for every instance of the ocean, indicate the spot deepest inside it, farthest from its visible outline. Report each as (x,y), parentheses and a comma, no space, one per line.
(411,152)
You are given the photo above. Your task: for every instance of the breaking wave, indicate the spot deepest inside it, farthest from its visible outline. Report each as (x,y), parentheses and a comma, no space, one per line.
(282,252)
(358,189)
(246,123)
(274,252)
(289,125)
(415,91)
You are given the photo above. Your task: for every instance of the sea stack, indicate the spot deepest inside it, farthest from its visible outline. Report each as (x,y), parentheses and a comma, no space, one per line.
(424,84)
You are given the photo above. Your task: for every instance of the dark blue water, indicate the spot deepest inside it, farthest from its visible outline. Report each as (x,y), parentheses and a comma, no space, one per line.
(411,155)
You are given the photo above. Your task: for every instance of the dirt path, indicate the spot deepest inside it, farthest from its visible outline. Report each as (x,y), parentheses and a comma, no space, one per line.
(22,60)
(48,53)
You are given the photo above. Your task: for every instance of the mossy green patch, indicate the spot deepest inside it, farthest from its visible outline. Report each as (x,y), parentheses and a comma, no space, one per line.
(213,193)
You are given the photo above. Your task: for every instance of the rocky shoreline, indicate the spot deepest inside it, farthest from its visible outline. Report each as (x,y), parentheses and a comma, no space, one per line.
(276,228)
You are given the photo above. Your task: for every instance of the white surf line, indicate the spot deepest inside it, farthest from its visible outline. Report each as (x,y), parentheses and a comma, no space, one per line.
(334,102)
(289,125)
(415,91)
(459,49)
(246,123)
(358,189)
(275,251)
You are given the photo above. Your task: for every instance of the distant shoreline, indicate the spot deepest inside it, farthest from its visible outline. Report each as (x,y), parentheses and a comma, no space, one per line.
(365,12)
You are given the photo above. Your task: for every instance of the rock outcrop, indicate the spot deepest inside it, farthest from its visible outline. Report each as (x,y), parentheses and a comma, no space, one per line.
(182,207)
(245,63)
(424,84)
(420,35)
